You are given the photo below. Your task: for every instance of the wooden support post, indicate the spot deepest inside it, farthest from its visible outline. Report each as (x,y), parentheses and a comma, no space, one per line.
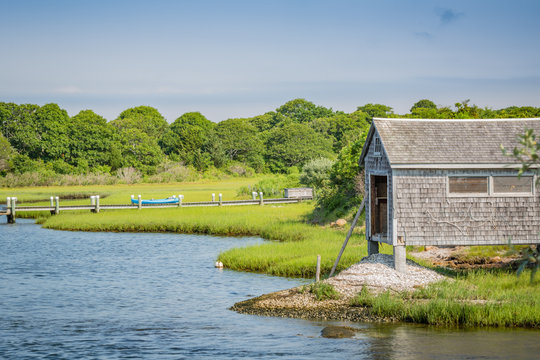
(93,202)
(261,201)
(254,195)
(97,204)
(358,213)
(318,270)
(11,206)
(220,199)
(52,205)
(132,198)
(140,202)
(57,206)
(213,197)
(179,200)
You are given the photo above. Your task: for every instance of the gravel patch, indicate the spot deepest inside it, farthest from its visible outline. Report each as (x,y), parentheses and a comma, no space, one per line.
(375,272)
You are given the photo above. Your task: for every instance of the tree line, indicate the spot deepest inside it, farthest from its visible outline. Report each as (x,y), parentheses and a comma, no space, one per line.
(46,139)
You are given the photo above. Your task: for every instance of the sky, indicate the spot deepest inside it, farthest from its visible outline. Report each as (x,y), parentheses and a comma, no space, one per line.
(232,58)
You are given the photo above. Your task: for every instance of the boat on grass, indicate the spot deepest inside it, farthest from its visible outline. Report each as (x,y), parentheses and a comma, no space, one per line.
(169,200)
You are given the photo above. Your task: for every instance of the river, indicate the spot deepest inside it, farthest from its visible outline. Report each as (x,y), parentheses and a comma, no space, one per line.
(68,295)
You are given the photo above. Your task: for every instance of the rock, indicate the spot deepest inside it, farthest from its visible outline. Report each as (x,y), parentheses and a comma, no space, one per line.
(332,224)
(341,222)
(427,248)
(496,259)
(337,332)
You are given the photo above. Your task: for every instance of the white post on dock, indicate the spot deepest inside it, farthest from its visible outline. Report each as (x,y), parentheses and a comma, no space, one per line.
(11,204)
(97,204)
(52,201)
(318,270)
(92,203)
(132,198)
(261,201)
(220,199)
(140,202)
(8,202)
(213,197)
(254,195)
(57,206)
(180,200)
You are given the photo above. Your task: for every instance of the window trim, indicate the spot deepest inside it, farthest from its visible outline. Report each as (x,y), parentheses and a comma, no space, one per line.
(490,192)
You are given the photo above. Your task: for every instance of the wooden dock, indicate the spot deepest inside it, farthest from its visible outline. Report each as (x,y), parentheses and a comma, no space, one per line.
(54,208)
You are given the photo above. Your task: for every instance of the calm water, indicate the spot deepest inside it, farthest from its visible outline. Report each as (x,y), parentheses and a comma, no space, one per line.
(106,295)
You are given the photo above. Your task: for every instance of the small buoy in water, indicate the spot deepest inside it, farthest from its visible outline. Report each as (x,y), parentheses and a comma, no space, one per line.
(219,264)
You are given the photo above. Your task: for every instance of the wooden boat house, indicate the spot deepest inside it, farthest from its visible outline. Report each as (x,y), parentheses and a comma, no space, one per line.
(447,182)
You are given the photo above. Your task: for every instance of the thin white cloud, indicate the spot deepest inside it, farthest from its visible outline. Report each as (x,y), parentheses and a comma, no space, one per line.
(68,90)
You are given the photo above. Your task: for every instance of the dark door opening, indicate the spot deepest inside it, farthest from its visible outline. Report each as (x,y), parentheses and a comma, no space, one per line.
(379,205)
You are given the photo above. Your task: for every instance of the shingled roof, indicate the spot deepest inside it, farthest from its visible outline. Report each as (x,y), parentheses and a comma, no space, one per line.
(449,142)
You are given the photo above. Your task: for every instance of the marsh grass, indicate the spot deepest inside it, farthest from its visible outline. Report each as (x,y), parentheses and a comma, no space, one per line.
(322,291)
(473,299)
(292,253)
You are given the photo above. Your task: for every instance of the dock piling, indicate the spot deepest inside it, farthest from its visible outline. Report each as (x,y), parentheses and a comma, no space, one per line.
(57,206)
(52,205)
(318,270)
(11,205)
(261,201)
(97,204)
(140,202)
(254,195)
(220,199)
(213,197)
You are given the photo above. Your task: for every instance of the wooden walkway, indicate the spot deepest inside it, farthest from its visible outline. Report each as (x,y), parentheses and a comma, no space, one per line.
(96,207)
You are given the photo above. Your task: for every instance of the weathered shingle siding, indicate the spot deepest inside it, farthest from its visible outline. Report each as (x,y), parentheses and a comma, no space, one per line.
(378,165)
(427,215)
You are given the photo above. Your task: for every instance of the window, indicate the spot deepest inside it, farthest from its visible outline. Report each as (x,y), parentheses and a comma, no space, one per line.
(513,184)
(377,149)
(468,184)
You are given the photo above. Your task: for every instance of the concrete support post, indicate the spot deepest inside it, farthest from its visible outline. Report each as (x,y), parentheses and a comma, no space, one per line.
(372,247)
(139,204)
(97,204)
(220,200)
(400,258)
(261,201)
(57,206)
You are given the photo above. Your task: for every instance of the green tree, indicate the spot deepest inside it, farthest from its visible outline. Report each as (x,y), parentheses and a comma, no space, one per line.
(52,128)
(376,110)
(18,126)
(138,150)
(145,118)
(303,111)
(240,141)
(424,104)
(6,155)
(187,137)
(91,139)
(293,145)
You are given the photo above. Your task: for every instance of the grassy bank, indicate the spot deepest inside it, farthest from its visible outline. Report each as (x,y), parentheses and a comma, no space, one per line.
(294,252)
(474,299)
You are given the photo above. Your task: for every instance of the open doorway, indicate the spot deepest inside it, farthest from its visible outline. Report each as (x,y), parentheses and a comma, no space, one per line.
(379,205)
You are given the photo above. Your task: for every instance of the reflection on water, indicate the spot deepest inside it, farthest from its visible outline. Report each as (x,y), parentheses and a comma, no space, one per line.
(74,294)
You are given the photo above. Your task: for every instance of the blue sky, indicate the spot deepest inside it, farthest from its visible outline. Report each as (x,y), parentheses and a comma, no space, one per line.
(242,58)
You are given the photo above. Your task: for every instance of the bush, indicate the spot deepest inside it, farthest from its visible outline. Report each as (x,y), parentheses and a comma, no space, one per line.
(128,175)
(316,173)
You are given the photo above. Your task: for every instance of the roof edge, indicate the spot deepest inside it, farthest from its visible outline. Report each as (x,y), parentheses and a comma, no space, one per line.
(483,166)
(457,120)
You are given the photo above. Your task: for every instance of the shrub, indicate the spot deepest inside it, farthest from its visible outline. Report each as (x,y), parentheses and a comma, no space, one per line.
(316,172)
(128,175)
(322,291)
